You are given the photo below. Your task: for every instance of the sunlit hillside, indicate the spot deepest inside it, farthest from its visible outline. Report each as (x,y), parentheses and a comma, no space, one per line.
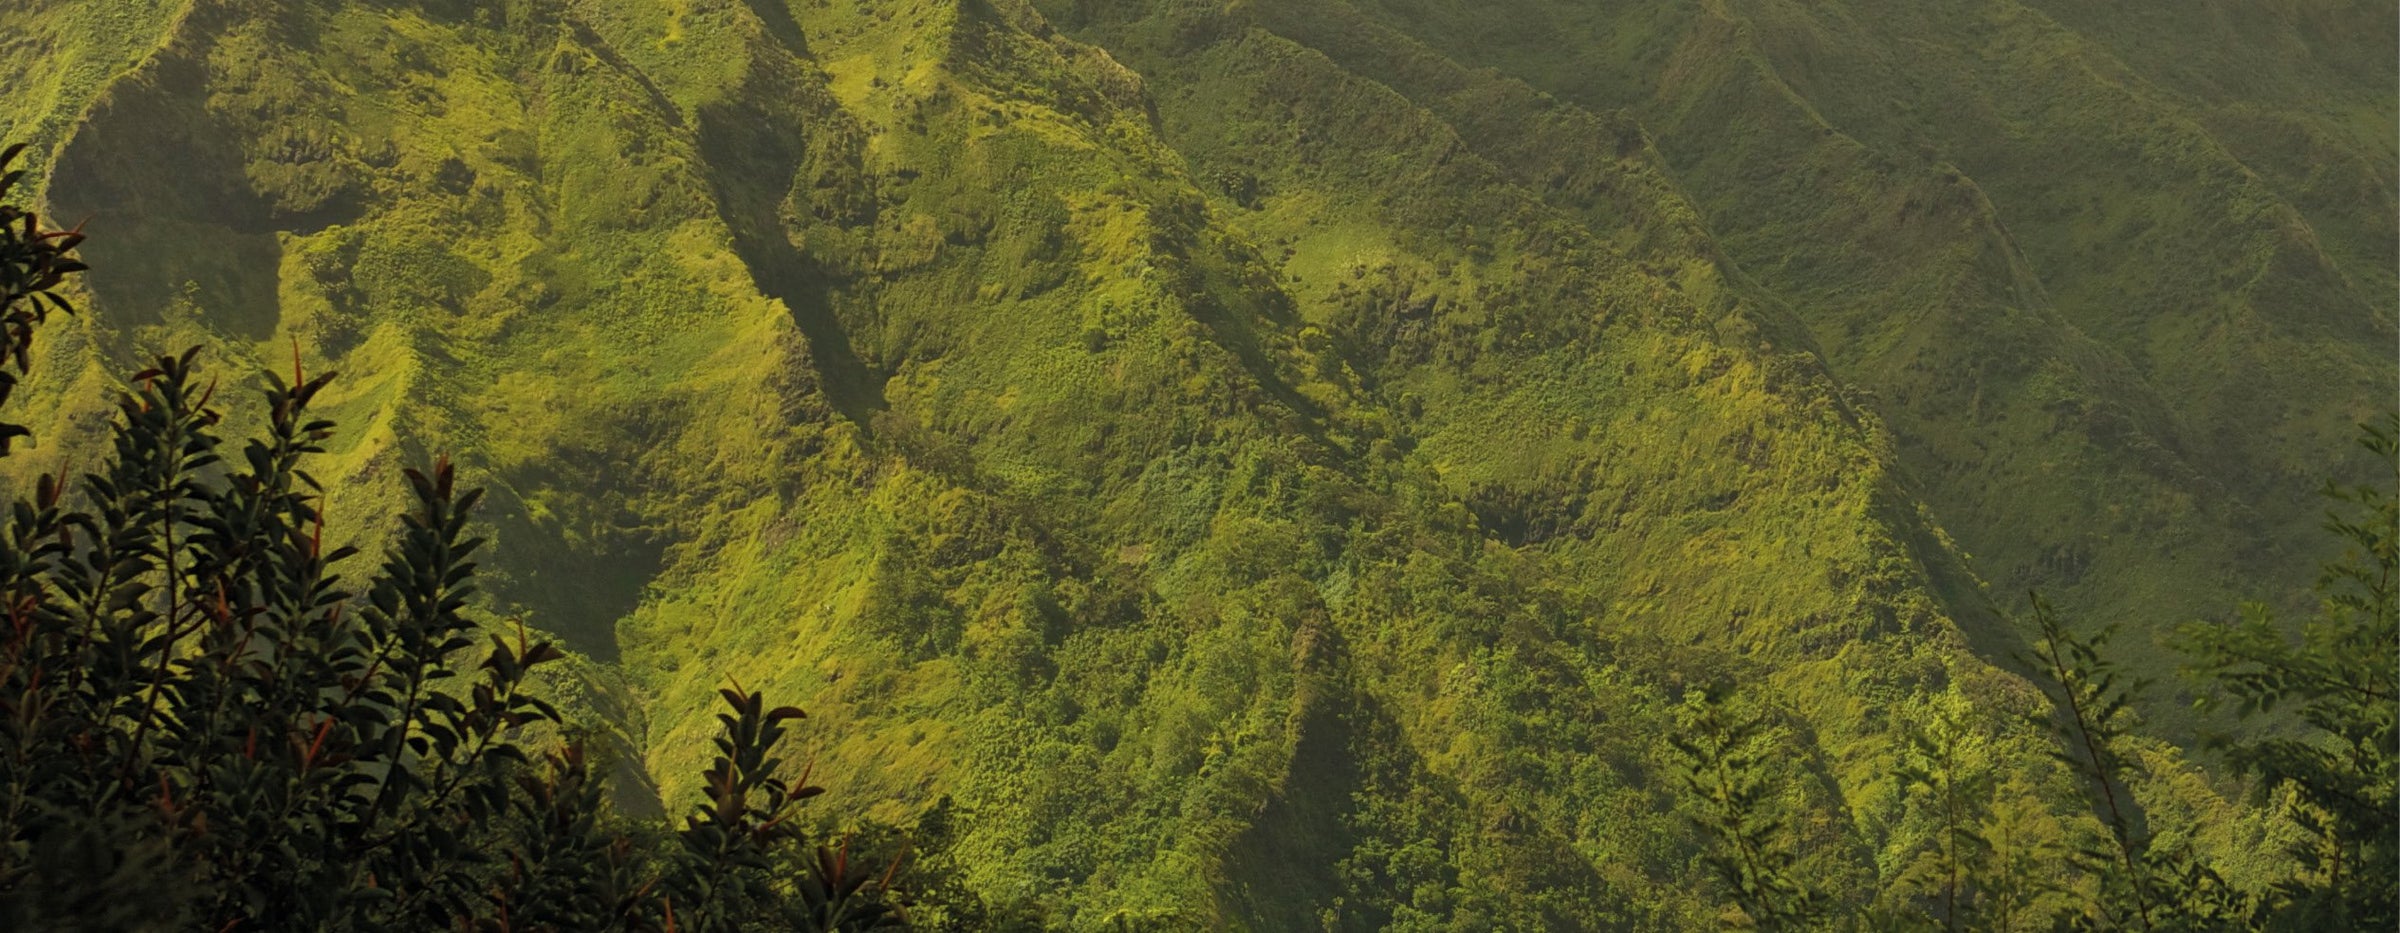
(1292,464)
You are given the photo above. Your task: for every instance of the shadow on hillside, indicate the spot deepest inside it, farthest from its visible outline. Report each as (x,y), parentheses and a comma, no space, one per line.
(749,168)
(780,25)
(197,235)
(1293,849)
(578,584)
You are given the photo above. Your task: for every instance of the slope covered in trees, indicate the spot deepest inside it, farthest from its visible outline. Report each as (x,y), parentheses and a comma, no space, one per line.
(1286,464)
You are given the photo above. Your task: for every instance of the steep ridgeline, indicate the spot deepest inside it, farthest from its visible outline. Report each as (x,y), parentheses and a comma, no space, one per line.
(1266,465)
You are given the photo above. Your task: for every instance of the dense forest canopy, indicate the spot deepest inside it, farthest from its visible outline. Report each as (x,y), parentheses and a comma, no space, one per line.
(1320,464)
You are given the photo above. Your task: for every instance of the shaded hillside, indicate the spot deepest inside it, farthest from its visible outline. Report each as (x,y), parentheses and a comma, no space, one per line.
(1266,465)
(2120,306)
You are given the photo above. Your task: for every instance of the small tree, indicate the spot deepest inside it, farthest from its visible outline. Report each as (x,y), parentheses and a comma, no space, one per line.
(1944,763)
(1726,774)
(2090,706)
(2337,684)
(2142,885)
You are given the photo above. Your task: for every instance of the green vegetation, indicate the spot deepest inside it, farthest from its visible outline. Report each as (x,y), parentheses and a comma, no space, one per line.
(204,729)
(2326,785)
(36,262)
(2337,679)
(2118,312)
(1293,465)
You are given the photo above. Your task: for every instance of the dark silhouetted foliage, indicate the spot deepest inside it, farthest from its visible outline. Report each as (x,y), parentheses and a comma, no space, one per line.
(33,263)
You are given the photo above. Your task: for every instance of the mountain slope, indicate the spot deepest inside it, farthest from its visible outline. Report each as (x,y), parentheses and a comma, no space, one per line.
(2053,240)
(1259,465)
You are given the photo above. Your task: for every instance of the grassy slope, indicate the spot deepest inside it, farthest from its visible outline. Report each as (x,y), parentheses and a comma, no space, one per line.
(2120,307)
(1264,473)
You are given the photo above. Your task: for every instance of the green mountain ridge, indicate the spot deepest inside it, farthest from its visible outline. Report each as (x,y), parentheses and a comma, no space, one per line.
(1272,465)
